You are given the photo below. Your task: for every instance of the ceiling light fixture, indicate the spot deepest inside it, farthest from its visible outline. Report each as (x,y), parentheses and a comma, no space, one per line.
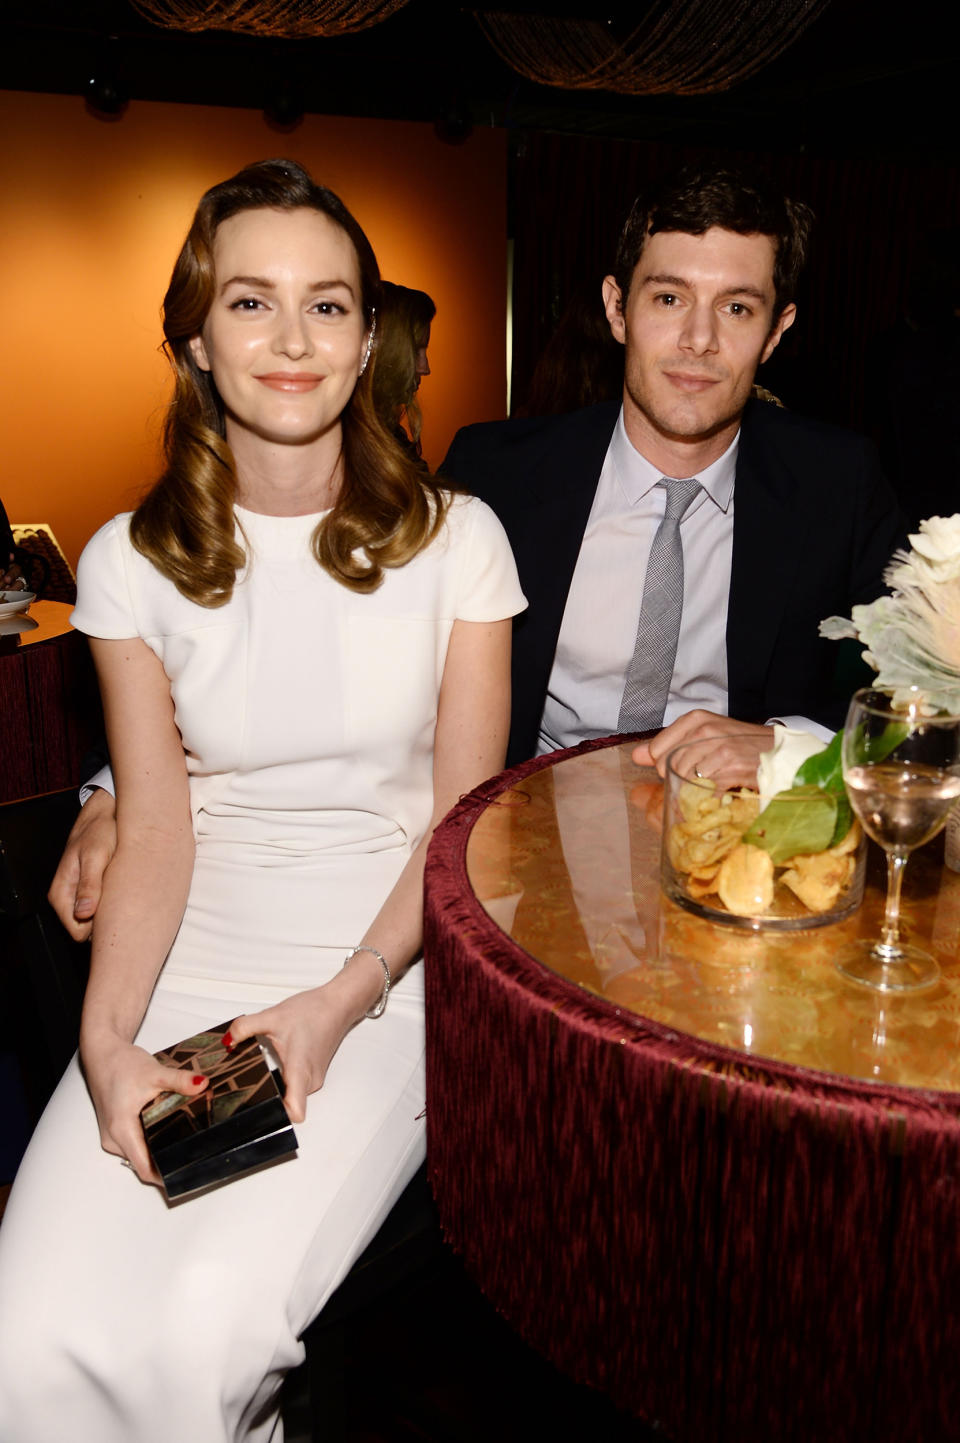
(681,47)
(283,19)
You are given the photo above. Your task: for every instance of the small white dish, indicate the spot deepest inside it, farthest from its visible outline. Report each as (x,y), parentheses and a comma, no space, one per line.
(14,625)
(12,602)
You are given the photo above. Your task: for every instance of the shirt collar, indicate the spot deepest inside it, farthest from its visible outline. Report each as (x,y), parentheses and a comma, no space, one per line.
(636,476)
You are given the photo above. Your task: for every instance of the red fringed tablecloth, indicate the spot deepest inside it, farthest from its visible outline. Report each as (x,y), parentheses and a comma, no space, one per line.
(728,1247)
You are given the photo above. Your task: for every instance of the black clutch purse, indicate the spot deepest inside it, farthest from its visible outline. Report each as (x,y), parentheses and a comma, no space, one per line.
(236,1124)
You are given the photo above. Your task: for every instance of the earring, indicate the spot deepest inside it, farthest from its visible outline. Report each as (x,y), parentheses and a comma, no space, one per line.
(370,336)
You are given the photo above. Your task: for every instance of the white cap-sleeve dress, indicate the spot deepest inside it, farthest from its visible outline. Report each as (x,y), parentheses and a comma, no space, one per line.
(307,713)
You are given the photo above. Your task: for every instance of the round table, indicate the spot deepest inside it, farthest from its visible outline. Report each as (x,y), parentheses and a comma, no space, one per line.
(692,1165)
(51,706)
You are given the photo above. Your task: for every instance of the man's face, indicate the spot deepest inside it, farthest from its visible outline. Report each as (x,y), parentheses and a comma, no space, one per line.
(696,323)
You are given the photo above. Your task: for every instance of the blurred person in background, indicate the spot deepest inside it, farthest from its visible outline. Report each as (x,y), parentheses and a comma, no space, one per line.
(19,569)
(581,364)
(401,363)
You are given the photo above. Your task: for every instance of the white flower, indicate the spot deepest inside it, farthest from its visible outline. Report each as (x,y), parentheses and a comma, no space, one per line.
(837,628)
(934,554)
(780,764)
(913,636)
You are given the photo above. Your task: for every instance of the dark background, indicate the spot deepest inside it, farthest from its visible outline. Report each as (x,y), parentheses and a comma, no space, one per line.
(870,75)
(857,118)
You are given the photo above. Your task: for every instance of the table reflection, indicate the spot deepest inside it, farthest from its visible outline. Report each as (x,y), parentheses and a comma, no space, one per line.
(566,862)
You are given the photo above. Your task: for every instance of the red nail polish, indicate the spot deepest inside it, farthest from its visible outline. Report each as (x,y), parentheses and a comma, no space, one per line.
(228,1040)
(197,1080)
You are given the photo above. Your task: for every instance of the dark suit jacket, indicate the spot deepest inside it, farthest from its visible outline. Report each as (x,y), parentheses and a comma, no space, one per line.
(815,522)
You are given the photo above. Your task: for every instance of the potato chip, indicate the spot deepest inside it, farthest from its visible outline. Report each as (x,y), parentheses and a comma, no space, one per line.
(744,808)
(694,797)
(818,879)
(745,881)
(708,822)
(712,846)
(813,893)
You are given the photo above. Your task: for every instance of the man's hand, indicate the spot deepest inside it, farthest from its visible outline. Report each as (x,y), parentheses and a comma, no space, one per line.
(709,729)
(78,881)
(12,577)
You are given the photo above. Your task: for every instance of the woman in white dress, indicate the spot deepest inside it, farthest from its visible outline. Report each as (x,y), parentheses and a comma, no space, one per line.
(303,647)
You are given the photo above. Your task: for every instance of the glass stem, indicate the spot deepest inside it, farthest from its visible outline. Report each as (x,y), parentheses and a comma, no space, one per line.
(889,944)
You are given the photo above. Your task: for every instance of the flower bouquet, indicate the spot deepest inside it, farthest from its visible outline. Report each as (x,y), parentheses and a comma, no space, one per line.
(901,744)
(912,638)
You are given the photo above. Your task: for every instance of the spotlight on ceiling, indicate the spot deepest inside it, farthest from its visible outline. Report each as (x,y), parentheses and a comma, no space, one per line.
(453,124)
(283,109)
(105,94)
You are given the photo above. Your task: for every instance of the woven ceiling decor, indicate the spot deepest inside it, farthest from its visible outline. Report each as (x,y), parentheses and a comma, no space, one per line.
(681,47)
(282,19)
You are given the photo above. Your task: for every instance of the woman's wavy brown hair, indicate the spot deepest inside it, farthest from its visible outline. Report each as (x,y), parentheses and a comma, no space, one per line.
(387,509)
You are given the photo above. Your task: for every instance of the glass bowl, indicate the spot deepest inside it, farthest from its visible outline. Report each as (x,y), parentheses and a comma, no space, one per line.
(709,866)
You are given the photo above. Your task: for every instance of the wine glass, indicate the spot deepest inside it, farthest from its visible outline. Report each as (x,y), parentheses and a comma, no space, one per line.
(901,768)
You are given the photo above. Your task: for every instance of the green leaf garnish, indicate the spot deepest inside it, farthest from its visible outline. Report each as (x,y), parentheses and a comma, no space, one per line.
(877,749)
(823,769)
(844,818)
(803,819)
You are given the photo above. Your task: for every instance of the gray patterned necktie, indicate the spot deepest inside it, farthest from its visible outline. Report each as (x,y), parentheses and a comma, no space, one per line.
(647,684)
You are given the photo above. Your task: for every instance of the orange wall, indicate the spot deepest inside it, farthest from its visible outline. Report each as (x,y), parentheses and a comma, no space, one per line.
(94,213)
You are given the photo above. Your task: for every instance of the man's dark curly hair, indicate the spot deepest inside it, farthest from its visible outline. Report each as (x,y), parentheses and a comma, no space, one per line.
(698,197)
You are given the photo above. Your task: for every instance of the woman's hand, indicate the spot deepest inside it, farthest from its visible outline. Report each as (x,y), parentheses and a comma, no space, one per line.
(307,1029)
(122,1079)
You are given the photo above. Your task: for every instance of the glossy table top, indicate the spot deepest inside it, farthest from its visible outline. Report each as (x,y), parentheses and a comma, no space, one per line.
(567,863)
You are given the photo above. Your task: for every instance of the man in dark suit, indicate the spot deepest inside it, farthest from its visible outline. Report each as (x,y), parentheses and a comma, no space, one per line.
(792,520)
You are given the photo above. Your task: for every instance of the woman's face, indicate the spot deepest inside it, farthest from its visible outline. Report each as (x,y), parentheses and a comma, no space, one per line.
(285,337)
(420,362)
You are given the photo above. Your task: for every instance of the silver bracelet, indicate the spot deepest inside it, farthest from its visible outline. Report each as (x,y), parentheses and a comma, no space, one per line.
(376,1011)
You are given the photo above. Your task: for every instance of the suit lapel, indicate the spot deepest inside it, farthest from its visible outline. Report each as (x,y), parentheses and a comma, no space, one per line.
(546,529)
(551,516)
(767,548)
